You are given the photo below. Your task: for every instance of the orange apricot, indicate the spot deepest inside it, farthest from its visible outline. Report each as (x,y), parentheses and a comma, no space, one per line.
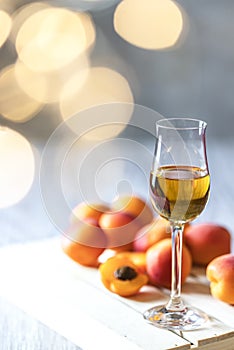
(159,260)
(207,241)
(85,211)
(137,258)
(119,228)
(84,243)
(220,272)
(150,234)
(119,275)
(135,207)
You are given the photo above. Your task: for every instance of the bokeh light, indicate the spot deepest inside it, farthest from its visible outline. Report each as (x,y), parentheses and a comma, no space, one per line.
(22,14)
(102,87)
(149,24)
(52,38)
(5,26)
(89,28)
(17,167)
(46,87)
(15,104)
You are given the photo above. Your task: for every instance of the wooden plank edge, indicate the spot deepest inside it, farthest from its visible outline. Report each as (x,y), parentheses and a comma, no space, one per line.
(227,344)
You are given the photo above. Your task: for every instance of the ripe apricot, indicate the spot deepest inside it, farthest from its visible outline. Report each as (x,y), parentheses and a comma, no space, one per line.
(159,260)
(137,258)
(220,272)
(207,241)
(85,211)
(119,228)
(83,243)
(134,206)
(121,276)
(150,234)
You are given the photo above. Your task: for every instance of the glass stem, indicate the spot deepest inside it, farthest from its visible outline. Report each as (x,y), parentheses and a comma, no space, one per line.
(176,303)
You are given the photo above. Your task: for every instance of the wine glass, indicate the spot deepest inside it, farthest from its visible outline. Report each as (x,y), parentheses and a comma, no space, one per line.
(179,190)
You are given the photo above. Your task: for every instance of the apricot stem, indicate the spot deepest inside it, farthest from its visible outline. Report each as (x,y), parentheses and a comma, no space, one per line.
(175,303)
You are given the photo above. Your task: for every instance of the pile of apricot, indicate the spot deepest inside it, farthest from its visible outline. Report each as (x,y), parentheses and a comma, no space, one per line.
(132,248)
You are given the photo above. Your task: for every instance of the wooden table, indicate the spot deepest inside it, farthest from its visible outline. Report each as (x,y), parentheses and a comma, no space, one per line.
(27,221)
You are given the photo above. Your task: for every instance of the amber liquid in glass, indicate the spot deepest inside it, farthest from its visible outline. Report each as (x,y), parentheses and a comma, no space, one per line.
(179,193)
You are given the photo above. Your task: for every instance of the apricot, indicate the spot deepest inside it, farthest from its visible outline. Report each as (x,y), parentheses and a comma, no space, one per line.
(150,234)
(119,228)
(119,275)
(207,241)
(83,243)
(134,206)
(220,272)
(85,211)
(137,258)
(159,260)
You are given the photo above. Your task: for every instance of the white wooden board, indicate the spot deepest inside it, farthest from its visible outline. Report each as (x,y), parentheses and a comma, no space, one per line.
(70,299)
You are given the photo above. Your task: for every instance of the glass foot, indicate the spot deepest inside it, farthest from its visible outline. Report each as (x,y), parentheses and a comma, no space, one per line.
(185,320)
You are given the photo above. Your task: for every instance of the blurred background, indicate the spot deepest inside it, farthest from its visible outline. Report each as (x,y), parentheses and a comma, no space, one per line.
(61,58)
(177,60)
